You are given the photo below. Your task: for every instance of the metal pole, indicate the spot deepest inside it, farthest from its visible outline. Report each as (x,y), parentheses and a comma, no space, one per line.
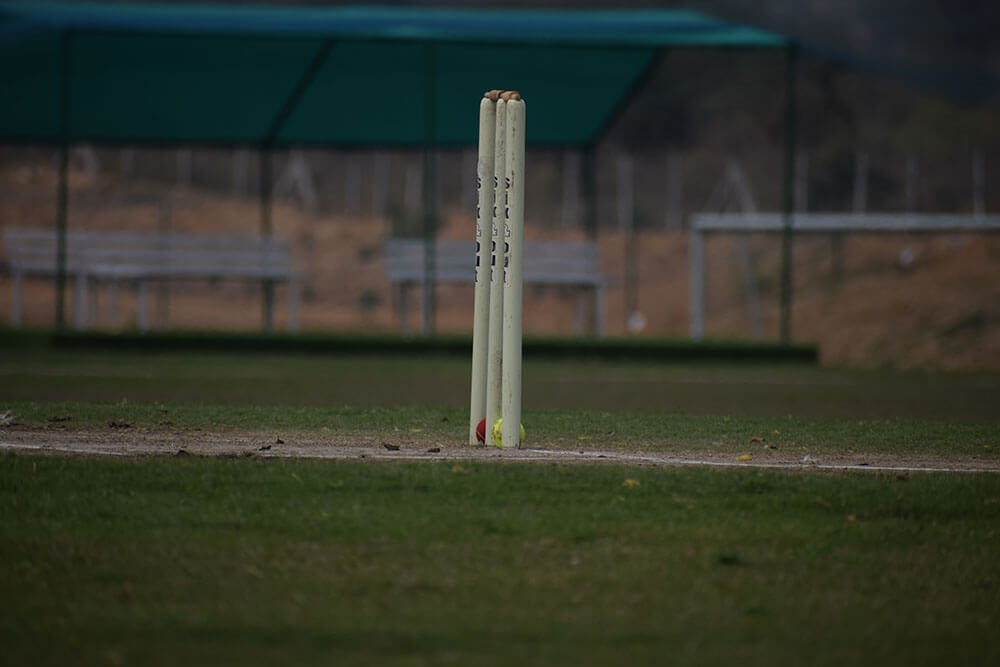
(429,191)
(62,215)
(265,233)
(62,198)
(788,207)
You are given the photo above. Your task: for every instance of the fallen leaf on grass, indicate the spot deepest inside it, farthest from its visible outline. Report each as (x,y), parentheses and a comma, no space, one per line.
(745,457)
(279,441)
(391,448)
(264,448)
(631,483)
(433,450)
(756,439)
(182,452)
(7,419)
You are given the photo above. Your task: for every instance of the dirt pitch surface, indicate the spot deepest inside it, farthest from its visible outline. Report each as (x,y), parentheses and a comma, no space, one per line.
(132,442)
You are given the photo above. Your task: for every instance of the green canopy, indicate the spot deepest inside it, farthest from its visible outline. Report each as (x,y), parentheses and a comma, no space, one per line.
(172,74)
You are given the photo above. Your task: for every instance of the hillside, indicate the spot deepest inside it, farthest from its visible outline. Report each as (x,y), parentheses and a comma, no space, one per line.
(941,311)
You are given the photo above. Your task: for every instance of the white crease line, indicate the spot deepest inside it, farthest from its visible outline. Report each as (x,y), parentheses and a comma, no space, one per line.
(57,448)
(666,460)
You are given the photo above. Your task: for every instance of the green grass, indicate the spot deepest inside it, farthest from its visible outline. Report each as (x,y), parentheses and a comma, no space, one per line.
(267,562)
(164,561)
(326,380)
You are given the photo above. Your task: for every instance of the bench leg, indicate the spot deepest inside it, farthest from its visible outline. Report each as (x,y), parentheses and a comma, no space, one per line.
(15,301)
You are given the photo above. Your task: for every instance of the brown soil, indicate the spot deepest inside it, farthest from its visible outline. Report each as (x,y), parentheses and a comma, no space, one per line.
(943,311)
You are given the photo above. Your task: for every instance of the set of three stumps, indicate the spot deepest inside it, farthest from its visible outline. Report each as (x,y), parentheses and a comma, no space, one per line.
(496,331)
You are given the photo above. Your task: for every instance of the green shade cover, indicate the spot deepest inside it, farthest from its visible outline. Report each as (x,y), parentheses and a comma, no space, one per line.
(171,74)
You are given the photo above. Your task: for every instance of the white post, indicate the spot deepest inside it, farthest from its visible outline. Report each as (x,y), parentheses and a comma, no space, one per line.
(494,379)
(513,274)
(484,212)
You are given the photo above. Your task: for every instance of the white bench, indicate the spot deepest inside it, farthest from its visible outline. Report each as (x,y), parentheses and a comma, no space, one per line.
(137,257)
(567,263)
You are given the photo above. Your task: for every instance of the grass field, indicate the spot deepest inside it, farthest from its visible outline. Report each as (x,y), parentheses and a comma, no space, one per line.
(255,561)
(330,380)
(200,561)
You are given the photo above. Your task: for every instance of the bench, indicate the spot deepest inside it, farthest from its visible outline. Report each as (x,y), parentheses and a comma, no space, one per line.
(138,257)
(565,263)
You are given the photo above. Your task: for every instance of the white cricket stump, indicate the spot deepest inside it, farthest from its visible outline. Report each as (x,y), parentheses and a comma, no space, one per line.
(495,337)
(484,221)
(513,270)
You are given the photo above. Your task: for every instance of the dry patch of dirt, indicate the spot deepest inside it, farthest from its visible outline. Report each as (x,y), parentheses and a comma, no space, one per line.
(390,447)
